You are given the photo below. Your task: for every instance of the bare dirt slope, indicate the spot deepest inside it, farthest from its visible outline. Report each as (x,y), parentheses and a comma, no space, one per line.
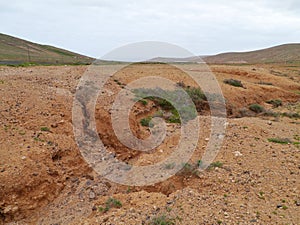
(44,179)
(278,54)
(17,51)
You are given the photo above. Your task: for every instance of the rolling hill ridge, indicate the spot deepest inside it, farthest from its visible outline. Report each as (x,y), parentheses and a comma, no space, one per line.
(287,53)
(17,51)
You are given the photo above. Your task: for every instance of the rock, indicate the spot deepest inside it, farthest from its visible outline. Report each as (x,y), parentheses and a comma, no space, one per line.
(35,174)
(54,125)
(92,195)
(237,153)
(23,157)
(10,209)
(169,202)
(297,203)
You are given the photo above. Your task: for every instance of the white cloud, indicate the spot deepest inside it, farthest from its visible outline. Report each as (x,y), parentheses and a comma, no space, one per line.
(94,27)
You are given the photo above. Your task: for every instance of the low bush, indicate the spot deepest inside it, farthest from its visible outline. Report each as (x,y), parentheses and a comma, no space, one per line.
(292,115)
(45,129)
(275,102)
(232,82)
(280,140)
(256,108)
(162,220)
(110,203)
(146,122)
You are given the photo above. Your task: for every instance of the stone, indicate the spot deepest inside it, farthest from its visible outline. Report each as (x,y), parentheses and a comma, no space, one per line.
(92,195)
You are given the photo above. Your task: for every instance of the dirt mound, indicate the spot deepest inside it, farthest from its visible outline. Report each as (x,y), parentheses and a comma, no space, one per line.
(45,180)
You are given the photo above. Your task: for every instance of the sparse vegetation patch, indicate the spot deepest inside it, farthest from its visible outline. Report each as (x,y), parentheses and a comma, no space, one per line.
(256,108)
(280,140)
(162,220)
(233,82)
(110,203)
(275,102)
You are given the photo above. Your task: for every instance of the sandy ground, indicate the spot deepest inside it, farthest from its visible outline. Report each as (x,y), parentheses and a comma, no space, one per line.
(45,180)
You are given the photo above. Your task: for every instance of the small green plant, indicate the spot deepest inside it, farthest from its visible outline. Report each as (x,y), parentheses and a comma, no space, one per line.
(216,164)
(143,101)
(162,220)
(177,97)
(256,108)
(264,83)
(219,221)
(189,169)
(275,102)
(110,203)
(146,122)
(297,137)
(45,129)
(175,118)
(280,140)
(232,82)
(261,195)
(284,207)
(271,113)
(1,81)
(297,144)
(292,115)
(38,139)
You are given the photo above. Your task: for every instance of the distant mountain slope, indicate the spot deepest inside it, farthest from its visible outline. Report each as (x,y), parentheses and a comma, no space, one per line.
(277,54)
(14,51)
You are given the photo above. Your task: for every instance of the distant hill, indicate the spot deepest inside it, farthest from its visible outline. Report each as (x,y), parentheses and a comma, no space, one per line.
(287,53)
(17,51)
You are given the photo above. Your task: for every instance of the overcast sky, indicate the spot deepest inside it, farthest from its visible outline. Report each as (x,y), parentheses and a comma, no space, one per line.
(95,27)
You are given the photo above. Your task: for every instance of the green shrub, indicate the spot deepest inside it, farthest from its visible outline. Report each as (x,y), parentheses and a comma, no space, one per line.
(110,203)
(271,113)
(146,122)
(291,115)
(280,140)
(143,101)
(275,102)
(189,169)
(232,82)
(196,94)
(216,164)
(175,118)
(256,108)
(162,220)
(163,103)
(45,129)
(188,112)
(264,83)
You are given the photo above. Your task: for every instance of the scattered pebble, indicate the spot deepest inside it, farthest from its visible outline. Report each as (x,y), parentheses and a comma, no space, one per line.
(92,195)
(237,153)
